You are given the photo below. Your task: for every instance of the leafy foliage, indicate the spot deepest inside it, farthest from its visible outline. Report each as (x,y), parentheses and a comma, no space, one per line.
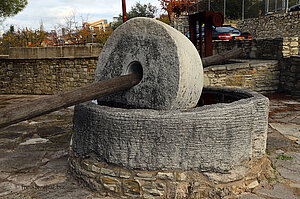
(176,7)
(164,18)
(253,8)
(24,37)
(138,10)
(27,37)
(10,8)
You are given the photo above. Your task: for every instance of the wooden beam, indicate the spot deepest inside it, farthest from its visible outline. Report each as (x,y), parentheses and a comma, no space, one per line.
(65,99)
(221,58)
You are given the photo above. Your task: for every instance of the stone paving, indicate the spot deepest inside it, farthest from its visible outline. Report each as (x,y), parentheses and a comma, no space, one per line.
(34,154)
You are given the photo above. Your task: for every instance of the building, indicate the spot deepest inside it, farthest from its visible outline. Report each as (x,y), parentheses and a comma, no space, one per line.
(101,25)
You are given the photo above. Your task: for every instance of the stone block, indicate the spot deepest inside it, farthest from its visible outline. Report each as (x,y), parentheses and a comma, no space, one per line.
(86,165)
(145,176)
(131,188)
(295,69)
(165,176)
(125,175)
(218,68)
(111,184)
(180,176)
(294,44)
(237,66)
(96,169)
(151,193)
(109,172)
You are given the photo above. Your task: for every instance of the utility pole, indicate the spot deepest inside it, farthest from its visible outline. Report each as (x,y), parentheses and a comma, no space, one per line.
(124,11)
(285,5)
(243,10)
(208,4)
(225,10)
(267,6)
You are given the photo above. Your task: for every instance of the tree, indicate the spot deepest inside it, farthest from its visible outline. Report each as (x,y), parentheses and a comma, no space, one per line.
(10,8)
(138,10)
(176,7)
(164,18)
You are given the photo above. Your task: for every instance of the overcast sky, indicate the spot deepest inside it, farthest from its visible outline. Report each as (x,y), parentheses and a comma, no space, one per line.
(53,12)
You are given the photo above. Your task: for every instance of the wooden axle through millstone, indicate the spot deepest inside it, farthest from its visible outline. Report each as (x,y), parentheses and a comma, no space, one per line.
(65,99)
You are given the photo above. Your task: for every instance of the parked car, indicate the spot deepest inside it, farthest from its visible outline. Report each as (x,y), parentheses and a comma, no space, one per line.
(228,32)
(224,33)
(246,35)
(294,8)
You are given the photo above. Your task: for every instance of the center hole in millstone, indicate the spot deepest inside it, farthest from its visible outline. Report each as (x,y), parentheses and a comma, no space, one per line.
(135,67)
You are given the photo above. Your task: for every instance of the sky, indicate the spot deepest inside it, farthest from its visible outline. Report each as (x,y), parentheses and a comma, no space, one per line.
(53,12)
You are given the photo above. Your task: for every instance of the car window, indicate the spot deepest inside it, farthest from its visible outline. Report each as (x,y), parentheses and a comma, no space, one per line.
(222,29)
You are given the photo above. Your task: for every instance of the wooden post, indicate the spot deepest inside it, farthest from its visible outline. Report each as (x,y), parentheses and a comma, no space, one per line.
(124,11)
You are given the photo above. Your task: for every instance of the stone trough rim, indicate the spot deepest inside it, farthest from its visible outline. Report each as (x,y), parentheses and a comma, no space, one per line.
(248,97)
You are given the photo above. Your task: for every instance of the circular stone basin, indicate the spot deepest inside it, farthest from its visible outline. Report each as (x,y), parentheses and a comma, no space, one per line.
(217,139)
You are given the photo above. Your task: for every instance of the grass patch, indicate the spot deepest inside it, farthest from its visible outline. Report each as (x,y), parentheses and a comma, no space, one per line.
(273,167)
(284,157)
(269,179)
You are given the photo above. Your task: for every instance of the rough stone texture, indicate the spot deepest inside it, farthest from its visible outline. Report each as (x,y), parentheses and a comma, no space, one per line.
(257,75)
(45,76)
(278,191)
(54,52)
(269,48)
(290,75)
(181,24)
(158,184)
(274,25)
(288,130)
(212,138)
(172,67)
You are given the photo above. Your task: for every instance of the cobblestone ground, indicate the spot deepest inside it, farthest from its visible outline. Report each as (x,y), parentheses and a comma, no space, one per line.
(34,153)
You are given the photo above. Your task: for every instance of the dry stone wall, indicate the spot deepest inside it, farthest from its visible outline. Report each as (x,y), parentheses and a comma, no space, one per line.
(272,26)
(55,52)
(290,75)
(45,76)
(120,182)
(261,48)
(49,76)
(257,75)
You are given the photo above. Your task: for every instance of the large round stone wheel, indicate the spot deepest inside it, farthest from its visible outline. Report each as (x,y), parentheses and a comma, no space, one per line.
(168,62)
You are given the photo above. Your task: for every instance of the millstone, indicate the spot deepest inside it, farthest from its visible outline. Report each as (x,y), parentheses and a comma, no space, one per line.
(169,63)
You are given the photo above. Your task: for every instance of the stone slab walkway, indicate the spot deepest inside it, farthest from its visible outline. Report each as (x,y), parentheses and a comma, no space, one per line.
(34,154)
